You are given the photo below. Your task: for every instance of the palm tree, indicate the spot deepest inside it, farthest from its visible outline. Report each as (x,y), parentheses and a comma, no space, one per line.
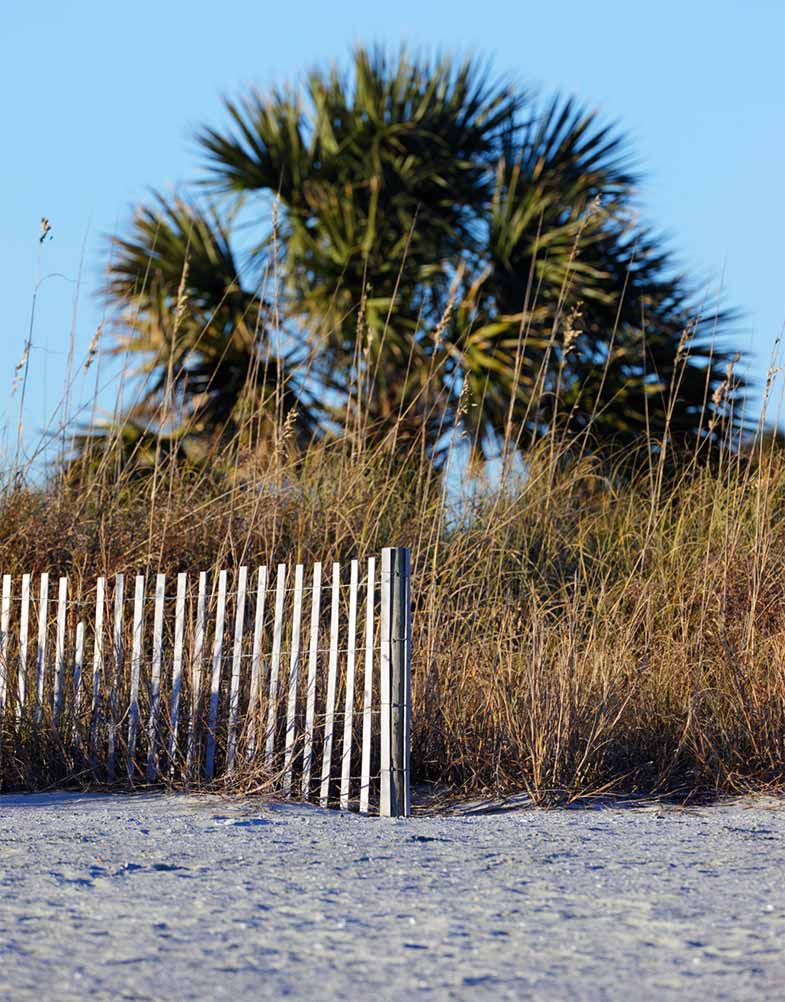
(208,361)
(443,251)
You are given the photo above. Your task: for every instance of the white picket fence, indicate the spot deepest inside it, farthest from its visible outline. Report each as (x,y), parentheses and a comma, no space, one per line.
(303,681)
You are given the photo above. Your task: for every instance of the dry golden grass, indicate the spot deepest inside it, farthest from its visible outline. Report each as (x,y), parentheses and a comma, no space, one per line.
(574,631)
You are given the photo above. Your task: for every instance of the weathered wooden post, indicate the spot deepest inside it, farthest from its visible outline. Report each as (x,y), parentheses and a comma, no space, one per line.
(395,682)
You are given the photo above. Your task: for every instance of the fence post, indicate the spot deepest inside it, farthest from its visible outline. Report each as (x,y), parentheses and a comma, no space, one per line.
(395,682)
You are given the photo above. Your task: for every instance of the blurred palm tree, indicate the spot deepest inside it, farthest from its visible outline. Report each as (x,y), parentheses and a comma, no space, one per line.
(413,245)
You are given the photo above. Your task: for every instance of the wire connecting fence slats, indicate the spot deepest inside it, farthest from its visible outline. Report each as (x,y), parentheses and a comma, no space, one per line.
(204,678)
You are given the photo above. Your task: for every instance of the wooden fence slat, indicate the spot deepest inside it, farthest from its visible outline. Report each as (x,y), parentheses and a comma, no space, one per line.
(40,657)
(396,670)
(215,679)
(5,616)
(332,681)
(348,716)
(62,610)
(407,713)
(24,626)
(256,657)
(237,656)
(118,657)
(275,666)
(98,664)
(310,700)
(294,672)
(384,684)
(177,667)
(196,673)
(78,666)
(155,678)
(136,668)
(365,769)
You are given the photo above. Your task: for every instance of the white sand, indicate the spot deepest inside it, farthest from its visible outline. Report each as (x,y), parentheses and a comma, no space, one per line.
(158,897)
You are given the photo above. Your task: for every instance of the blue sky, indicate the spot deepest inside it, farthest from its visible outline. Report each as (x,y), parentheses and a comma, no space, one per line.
(101,100)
